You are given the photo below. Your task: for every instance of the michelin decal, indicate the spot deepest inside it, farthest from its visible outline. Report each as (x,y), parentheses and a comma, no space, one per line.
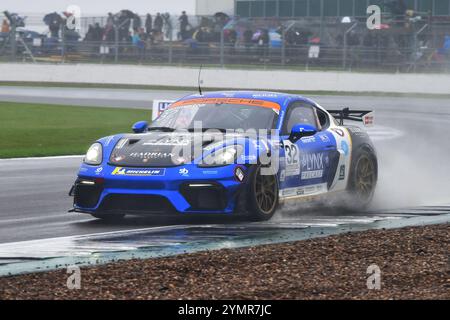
(138,172)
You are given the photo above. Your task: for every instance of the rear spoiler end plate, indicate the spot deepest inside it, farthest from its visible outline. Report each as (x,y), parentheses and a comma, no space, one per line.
(365,116)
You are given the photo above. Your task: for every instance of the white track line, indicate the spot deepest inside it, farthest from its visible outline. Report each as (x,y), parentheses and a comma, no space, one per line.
(42,158)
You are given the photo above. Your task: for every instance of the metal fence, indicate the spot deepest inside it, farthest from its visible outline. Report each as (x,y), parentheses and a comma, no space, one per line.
(408,45)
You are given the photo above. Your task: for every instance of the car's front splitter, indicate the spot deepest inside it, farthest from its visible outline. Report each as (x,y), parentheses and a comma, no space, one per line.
(185,190)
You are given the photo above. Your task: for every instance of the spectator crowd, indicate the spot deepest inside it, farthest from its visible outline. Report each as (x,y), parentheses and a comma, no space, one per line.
(128,32)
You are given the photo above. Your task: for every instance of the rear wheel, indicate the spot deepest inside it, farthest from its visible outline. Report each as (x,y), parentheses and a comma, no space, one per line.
(263,195)
(363,179)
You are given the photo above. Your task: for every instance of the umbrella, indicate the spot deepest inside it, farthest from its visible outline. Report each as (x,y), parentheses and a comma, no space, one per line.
(52,18)
(127,13)
(221,16)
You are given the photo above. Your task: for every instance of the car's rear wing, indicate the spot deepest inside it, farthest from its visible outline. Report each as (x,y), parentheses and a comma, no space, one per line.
(364,116)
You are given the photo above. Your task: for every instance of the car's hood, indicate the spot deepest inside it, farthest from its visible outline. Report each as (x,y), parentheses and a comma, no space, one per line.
(162,149)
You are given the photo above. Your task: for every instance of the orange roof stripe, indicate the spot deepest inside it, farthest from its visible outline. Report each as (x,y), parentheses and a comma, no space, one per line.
(247,102)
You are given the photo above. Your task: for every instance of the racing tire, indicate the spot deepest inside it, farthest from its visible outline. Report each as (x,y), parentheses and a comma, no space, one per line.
(363,179)
(263,195)
(109,217)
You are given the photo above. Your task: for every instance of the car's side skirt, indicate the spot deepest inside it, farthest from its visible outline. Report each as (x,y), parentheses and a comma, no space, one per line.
(304,192)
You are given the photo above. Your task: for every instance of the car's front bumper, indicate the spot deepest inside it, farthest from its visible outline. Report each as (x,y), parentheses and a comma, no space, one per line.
(186,189)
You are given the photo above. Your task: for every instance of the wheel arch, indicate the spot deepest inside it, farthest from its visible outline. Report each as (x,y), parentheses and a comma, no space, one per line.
(361,141)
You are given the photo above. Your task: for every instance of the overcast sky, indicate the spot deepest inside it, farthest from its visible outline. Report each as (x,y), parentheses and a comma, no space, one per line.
(98,7)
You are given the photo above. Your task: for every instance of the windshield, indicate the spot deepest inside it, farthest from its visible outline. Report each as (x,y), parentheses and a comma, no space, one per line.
(217,116)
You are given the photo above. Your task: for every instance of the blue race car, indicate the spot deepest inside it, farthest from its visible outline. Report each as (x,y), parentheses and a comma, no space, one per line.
(229,153)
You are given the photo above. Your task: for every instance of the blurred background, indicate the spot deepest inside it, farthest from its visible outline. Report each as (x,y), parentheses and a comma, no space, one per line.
(295,34)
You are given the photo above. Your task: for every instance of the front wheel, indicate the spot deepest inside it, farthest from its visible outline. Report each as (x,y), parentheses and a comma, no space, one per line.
(263,195)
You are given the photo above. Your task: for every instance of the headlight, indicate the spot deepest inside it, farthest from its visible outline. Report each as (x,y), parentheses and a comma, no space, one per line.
(94,155)
(222,157)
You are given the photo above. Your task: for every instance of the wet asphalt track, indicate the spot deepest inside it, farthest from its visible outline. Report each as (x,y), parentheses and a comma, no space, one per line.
(414,166)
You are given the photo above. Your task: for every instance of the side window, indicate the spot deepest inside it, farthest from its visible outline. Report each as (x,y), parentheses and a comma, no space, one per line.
(323,119)
(299,113)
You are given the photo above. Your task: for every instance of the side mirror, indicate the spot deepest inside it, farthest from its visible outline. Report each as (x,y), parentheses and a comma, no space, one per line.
(140,127)
(301,131)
